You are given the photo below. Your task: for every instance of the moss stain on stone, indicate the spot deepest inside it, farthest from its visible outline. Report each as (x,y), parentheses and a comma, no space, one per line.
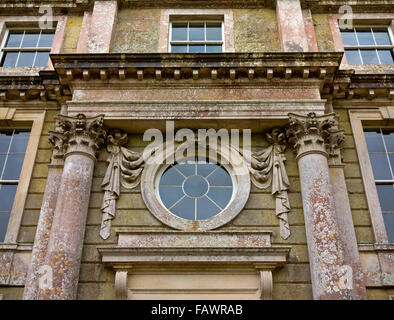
(255,30)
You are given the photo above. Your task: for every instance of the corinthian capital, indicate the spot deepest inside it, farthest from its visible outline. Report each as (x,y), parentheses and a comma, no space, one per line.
(315,134)
(77,135)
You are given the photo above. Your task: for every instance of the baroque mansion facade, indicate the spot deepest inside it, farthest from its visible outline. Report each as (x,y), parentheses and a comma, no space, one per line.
(194,149)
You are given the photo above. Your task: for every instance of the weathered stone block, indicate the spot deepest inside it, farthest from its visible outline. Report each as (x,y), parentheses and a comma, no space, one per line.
(255,30)
(361,218)
(137,30)
(364,235)
(95,273)
(34,201)
(292,273)
(73,29)
(292,291)
(30,217)
(323,32)
(37,185)
(26,234)
(352,170)
(357,201)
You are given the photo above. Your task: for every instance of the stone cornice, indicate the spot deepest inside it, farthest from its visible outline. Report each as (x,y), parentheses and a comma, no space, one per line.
(363,6)
(349,85)
(327,6)
(272,68)
(44,87)
(269,69)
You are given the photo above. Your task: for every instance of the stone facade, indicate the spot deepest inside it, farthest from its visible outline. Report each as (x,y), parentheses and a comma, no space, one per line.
(86,223)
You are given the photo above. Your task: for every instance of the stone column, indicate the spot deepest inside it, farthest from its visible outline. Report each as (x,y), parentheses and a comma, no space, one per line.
(313,137)
(81,139)
(36,277)
(102,24)
(346,226)
(291,26)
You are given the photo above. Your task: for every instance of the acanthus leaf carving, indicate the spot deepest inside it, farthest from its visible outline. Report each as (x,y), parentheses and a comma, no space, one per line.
(124,168)
(267,168)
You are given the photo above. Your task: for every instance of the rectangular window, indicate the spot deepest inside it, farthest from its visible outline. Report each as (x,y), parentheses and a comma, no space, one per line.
(368,45)
(27,48)
(196,37)
(13,145)
(380,144)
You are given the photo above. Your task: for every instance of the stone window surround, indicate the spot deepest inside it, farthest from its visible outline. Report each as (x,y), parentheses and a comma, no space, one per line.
(373,19)
(382,248)
(20,21)
(11,117)
(167,14)
(358,117)
(241,183)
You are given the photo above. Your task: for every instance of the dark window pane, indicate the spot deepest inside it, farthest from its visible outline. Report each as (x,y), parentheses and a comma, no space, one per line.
(178,48)
(19,142)
(220,196)
(195,186)
(14,39)
(391,158)
(172,177)
(196,48)
(369,56)
(365,37)
(185,209)
(353,57)
(41,59)
(349,38)
(26,59)
(214,31)
(187,169)
(214,48)
(196,32)
(30,40)
(380,166)
(7,194)
(2,161)
(386,196)
(179,31)
(389,140)
(4,217)
(204,169)
(389,222)
(220,178)
(10,59)
(374,141)
(13,167)
(382,37)
(169,196)
(386,56)
(46,39)
(206,209)
(5,139)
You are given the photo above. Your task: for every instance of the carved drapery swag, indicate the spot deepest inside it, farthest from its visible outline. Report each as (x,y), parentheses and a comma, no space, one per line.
(267,168)
(124,168)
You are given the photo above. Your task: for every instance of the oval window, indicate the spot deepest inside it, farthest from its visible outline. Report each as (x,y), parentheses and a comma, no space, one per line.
(195,189)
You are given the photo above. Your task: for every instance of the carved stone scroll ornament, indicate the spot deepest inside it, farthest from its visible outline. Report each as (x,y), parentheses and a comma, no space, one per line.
(124,168)
(267,168)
